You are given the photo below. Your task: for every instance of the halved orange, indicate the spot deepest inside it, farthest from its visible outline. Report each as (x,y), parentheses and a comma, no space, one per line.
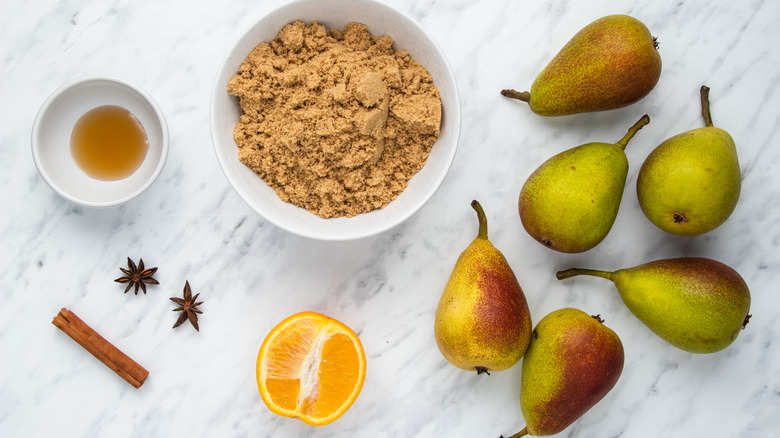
(310,367)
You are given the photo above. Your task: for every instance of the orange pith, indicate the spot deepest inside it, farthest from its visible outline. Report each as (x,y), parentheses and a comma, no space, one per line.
(310,367)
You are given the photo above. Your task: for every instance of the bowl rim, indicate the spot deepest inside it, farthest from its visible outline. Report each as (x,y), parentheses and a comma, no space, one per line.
(87,80)
(446,75)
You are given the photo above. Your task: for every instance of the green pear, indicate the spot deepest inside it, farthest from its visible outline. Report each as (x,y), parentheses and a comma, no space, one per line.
(571,201)
(610,63)
(573,361)
(482,322)
(696,304)
(690,183)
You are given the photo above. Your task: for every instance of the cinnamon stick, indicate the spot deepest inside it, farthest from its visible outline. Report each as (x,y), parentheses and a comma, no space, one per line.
(111,356)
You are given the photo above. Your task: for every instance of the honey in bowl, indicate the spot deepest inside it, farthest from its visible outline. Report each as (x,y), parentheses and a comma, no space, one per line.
(109,143)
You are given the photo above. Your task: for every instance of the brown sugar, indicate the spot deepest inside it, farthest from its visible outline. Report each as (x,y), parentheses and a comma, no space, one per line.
(335,122)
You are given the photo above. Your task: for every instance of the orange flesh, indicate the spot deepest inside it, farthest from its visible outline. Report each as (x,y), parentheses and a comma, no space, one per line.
(310,367)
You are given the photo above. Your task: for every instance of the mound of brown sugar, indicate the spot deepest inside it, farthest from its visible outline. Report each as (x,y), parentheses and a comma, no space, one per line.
(335,122)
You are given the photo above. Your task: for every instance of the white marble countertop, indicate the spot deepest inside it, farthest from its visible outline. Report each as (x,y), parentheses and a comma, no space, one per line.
(251,275)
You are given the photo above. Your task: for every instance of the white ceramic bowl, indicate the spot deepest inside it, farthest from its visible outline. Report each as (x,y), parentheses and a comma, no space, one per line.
(51,140)
(380,19)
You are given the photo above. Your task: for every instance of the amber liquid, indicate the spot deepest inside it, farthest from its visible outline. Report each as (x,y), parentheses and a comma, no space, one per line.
(108,143)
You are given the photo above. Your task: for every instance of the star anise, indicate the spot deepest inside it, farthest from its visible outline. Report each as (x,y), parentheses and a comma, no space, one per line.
(137,276)
(188,307)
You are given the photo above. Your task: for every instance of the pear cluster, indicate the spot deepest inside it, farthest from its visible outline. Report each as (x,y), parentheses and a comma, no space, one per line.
(688,185)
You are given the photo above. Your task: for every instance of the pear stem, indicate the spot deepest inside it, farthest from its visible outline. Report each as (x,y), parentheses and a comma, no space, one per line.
(482,220)
(633,130)
(523,432)
(705,105)
(519,95)
(572,272)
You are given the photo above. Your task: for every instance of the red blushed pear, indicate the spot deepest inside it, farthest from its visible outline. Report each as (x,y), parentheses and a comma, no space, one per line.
(610,63)
(572,362)
(482,323)
(696,304)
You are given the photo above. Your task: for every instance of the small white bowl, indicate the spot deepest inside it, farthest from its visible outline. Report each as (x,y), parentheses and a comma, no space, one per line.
(51,140)
(380,19)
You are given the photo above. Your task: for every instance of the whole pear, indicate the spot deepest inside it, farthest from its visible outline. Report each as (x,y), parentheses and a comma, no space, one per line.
(573,361)
(610,63)
(696,304)
(690,183)
(482,322)
(571,201)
